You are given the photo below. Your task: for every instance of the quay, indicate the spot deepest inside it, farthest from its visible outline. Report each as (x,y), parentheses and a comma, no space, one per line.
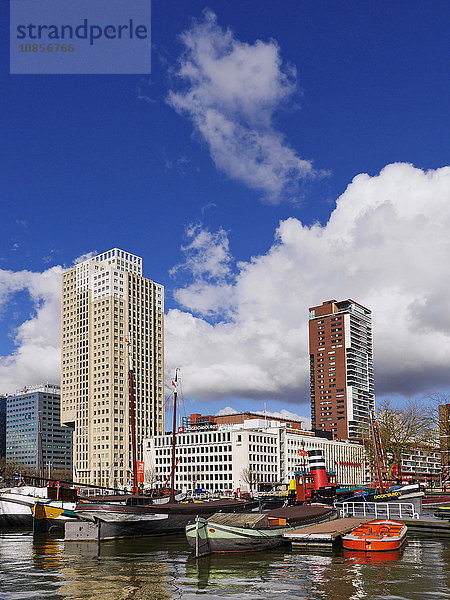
(324,534)
(418,519)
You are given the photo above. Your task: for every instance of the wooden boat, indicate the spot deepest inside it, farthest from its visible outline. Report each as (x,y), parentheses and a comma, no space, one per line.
(16,503)
(251,531)
(376,536)
(51,516)
(132,521)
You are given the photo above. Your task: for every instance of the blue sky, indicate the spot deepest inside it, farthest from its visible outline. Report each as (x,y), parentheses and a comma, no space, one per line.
(94,162)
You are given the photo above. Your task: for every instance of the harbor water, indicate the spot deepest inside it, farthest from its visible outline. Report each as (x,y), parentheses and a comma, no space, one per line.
(163,569)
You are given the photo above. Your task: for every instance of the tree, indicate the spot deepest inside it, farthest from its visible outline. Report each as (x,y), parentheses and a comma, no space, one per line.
(151,477)
(194,477)
(413,424)
(8,468)
(250,476)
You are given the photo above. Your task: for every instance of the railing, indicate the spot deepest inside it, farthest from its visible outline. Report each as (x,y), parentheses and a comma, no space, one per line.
(379,510)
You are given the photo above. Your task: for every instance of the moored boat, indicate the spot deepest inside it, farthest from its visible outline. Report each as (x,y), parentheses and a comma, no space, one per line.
(52,515)
(376,536)
(251,532)
(133,521)
(16,504)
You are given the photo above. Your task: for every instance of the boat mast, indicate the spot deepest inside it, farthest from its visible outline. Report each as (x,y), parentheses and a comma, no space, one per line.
(380,463)
(134,488)
(174,438)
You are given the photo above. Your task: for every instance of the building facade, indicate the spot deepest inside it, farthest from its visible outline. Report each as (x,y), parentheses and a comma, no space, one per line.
(198,421)
(341,368)
(421,463)
(110,312)
(255,453)
(2,426)
(444,433)
(34,434)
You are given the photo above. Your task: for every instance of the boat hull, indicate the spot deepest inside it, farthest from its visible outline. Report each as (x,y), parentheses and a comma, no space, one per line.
(51,516)
(16,505)
(376,536)
(251,532)
(107,526)
(206,537)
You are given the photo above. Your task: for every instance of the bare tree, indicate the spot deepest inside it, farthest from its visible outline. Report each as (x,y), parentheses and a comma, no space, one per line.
(250,476)
(402,428)
(194,477)
(9,468)
(151,477)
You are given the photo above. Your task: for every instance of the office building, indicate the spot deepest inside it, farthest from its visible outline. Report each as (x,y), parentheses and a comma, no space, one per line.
(341,368)
(107,305)
(255,453)
(35,437)
(2,426)
(198,421)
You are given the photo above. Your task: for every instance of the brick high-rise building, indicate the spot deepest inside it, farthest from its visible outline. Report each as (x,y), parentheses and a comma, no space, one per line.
(341,368)
(106,300)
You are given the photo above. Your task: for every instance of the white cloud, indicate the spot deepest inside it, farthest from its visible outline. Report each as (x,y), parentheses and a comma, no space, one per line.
(207,259)
(232,92)
(84,257)
(36,357)
(228,410)
(386,245)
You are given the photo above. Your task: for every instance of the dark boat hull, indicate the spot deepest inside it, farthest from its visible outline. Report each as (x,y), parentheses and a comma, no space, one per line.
(136,521)
(108,526)
(16,520)
(115,529)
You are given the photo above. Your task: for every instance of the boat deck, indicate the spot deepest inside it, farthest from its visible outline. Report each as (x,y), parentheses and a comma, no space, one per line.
(323,534)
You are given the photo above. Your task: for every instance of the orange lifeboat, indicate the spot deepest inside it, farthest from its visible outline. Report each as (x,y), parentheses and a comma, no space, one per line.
(376,536)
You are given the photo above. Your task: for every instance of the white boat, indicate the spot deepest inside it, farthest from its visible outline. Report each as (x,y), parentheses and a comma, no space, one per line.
(16,504)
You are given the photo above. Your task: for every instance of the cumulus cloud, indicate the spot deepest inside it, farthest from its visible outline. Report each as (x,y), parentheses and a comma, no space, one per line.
(231,92)
(208,260)
(36,357)
(386,245)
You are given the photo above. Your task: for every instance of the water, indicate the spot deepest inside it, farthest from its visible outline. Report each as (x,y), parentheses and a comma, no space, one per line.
(163,569)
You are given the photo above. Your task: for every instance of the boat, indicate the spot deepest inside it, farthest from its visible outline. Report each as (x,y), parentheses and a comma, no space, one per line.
(376,536)
(251,532)
(133,521)
(109,526)
(51,516)
(16,503)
